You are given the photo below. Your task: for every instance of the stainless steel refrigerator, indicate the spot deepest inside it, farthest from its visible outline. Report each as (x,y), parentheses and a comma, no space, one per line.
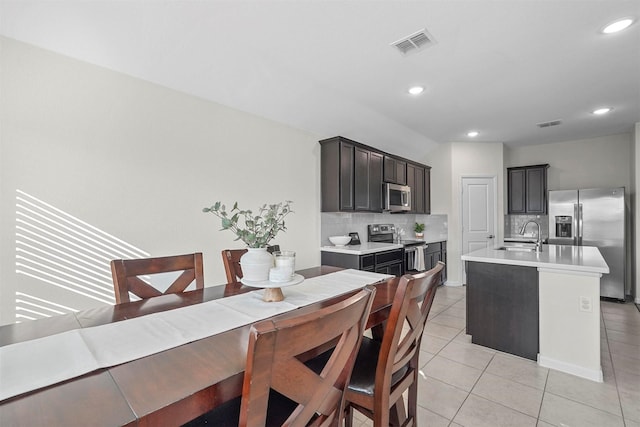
(593,217)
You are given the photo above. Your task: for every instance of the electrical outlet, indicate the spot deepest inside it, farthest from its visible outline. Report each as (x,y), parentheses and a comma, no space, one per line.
(586,304)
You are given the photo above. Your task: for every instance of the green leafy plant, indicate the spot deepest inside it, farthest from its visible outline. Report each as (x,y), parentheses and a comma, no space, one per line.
(418,228)
(259,229)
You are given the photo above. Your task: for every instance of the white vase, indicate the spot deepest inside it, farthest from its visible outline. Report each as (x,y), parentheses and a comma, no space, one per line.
(256,264)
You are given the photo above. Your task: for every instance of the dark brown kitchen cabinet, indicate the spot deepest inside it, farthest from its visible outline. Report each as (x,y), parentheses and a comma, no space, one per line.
(351,176)
(395,170)
(527,189)
(386,262)
(368,180)
(427,191)
(436,252)
(418,178)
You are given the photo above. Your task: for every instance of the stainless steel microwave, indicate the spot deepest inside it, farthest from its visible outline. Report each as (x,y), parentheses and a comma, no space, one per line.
(397,198)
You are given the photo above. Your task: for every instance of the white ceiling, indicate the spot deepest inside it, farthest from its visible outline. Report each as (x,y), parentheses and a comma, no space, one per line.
(327,67)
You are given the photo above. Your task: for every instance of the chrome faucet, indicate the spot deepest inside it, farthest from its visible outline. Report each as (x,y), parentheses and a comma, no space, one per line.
(539,241)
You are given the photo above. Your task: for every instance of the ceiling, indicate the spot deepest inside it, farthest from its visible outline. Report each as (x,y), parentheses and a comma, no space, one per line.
(328,67)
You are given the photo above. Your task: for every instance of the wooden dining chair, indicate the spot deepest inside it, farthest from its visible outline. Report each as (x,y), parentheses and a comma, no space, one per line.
(385,369)
(231,262)
(278,388)
(125,274)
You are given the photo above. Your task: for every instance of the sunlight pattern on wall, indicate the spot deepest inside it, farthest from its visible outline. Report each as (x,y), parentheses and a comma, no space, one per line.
(63,251)
(29,307)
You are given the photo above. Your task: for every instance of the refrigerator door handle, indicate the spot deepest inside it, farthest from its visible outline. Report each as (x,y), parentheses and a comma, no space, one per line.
(580,223)
(576,225)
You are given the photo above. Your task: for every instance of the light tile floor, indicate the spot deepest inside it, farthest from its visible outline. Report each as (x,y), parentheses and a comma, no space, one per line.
(463,384)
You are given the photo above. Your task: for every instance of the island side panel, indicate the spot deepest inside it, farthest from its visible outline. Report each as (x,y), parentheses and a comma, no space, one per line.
(502,307)
(570,322)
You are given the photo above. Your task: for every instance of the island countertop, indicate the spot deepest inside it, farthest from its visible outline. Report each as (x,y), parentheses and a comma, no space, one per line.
(586,259)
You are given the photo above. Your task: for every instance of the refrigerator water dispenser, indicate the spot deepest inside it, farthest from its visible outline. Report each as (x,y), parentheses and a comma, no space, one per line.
(563,226)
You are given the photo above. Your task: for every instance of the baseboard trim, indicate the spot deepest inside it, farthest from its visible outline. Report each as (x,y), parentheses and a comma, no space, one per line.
(450,283)
(570,368)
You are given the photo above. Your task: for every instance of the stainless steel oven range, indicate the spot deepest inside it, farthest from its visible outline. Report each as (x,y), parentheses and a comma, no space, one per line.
(414,250)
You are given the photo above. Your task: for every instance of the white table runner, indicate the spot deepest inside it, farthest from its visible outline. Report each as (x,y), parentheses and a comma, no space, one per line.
(34,364)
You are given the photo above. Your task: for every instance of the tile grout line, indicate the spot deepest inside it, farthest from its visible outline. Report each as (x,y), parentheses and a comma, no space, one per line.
(544,391)
(438,352)
(484,370)
(586,404)
(615,378)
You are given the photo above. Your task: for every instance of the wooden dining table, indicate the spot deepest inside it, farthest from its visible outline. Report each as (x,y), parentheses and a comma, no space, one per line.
(164,389)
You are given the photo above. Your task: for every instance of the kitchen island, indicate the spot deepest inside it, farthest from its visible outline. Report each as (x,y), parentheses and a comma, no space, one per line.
(540,305)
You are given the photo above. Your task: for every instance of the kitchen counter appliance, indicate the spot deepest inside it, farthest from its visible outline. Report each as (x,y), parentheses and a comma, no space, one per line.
(385,233)
(397,198)
(593,217)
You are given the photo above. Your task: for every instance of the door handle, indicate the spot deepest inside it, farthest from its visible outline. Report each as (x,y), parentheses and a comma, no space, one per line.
(491,236)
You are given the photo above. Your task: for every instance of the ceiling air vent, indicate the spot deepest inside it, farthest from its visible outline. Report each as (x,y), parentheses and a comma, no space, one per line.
(549,124)
(413,42)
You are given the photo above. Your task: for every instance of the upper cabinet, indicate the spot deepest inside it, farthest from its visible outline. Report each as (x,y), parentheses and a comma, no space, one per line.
(368,180)
(395,170)
(419,179)
(351,176)
(527,189)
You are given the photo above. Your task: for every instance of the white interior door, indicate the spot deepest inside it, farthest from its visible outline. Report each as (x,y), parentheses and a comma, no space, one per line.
(478,215)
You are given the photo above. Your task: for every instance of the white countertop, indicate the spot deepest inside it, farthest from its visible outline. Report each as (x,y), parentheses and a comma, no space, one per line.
(363,249)
(520,239)
(370,248)
(558,257)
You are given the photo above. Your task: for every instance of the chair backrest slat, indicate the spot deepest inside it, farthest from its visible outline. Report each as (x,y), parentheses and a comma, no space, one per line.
(125,275)
(273,362)
(231,262)
(405,326)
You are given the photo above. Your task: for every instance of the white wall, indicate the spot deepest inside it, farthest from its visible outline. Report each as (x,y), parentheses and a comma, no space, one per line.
(587,163)
(140,161)
(636,203)
(449,164)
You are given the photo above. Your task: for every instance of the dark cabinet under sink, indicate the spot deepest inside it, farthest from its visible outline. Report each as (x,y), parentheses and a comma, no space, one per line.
(502,307)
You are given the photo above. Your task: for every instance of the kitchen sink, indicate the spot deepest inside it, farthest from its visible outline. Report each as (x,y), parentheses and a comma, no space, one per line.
(517,248)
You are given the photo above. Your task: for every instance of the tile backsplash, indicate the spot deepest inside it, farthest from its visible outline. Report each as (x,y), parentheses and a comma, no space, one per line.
(340,223)
(513,224)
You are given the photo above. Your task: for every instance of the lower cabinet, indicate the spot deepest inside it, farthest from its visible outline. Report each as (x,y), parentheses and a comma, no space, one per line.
(385,262)
(502,307)
(436,252)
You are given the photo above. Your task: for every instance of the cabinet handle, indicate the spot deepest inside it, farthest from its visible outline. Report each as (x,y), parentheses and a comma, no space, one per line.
(491,236)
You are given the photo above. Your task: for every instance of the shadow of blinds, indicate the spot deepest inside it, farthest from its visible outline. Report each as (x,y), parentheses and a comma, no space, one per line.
(60,250)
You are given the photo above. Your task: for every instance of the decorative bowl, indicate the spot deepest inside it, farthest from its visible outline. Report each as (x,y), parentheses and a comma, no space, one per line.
(340,240)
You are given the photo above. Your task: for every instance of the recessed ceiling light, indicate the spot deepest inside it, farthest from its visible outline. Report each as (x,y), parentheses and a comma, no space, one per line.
(416,90)
(472,133)
(601,111)
(618,25)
